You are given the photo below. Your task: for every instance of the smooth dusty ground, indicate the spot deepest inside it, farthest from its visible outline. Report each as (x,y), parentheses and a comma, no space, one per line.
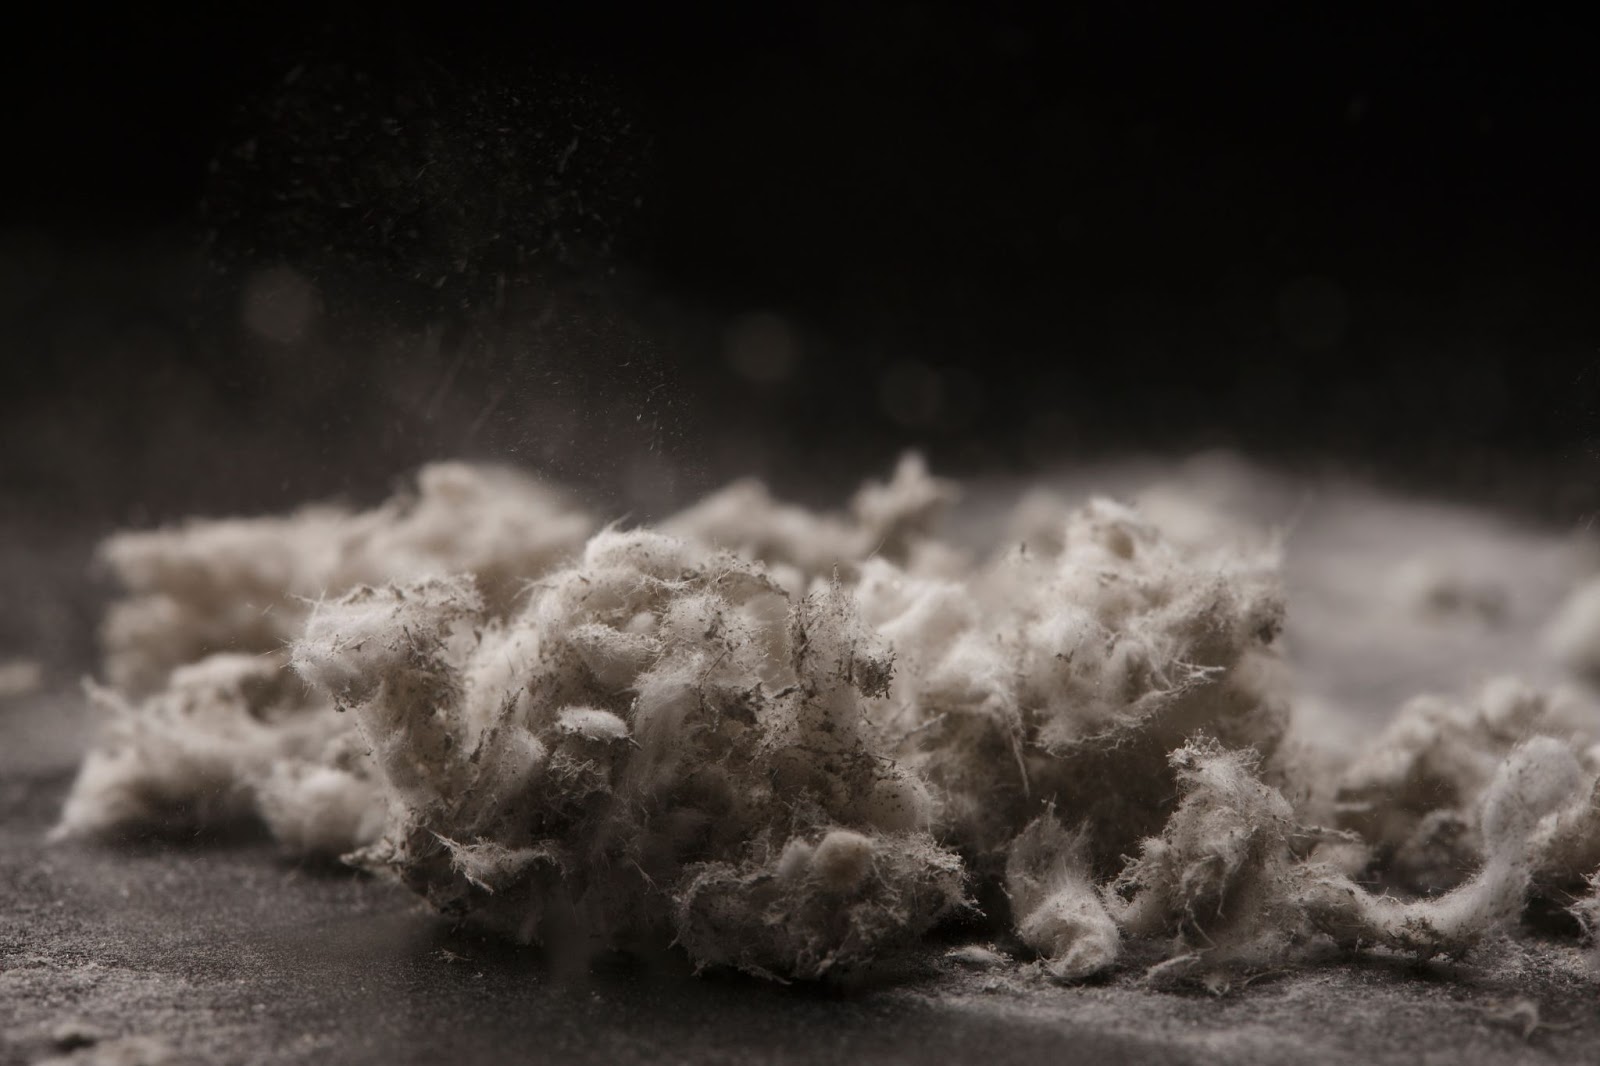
(221,952)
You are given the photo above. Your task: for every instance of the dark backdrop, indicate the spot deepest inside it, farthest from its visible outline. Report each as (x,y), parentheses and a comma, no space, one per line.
(248,258)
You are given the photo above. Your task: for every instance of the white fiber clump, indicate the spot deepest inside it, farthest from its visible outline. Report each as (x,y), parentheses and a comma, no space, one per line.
(1057,909)
(1414,793)
(1068,675)
(658,745)
(1218,877)
(246,585)
(791,743)
(205,728)
(1230,878)
(1574,634)
(893,521)
(1534,783)
(202,754)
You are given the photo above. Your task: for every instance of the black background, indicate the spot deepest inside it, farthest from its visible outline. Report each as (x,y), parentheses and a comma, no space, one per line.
(1009,236)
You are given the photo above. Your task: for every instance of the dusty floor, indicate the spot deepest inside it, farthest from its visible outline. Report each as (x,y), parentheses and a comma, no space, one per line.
(222,953)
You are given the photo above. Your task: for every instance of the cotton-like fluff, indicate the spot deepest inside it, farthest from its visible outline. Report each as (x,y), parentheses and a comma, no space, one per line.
(203,727)
(245,584)
(1128,646)
(1068,677)
(1414,793)
(1586,909)
(1531,787)
(211,586)
(951,711)
(1055,907)
(893,520)
(207,754)
(1219,880)
(661,745)
(1228,880)
(1566,845)
(499,525)
(1573,636)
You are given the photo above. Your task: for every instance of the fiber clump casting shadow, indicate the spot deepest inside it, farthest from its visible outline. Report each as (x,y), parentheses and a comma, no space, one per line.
(794,743)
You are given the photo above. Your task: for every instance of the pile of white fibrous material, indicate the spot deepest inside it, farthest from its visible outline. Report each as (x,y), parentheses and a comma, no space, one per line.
(793,743)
